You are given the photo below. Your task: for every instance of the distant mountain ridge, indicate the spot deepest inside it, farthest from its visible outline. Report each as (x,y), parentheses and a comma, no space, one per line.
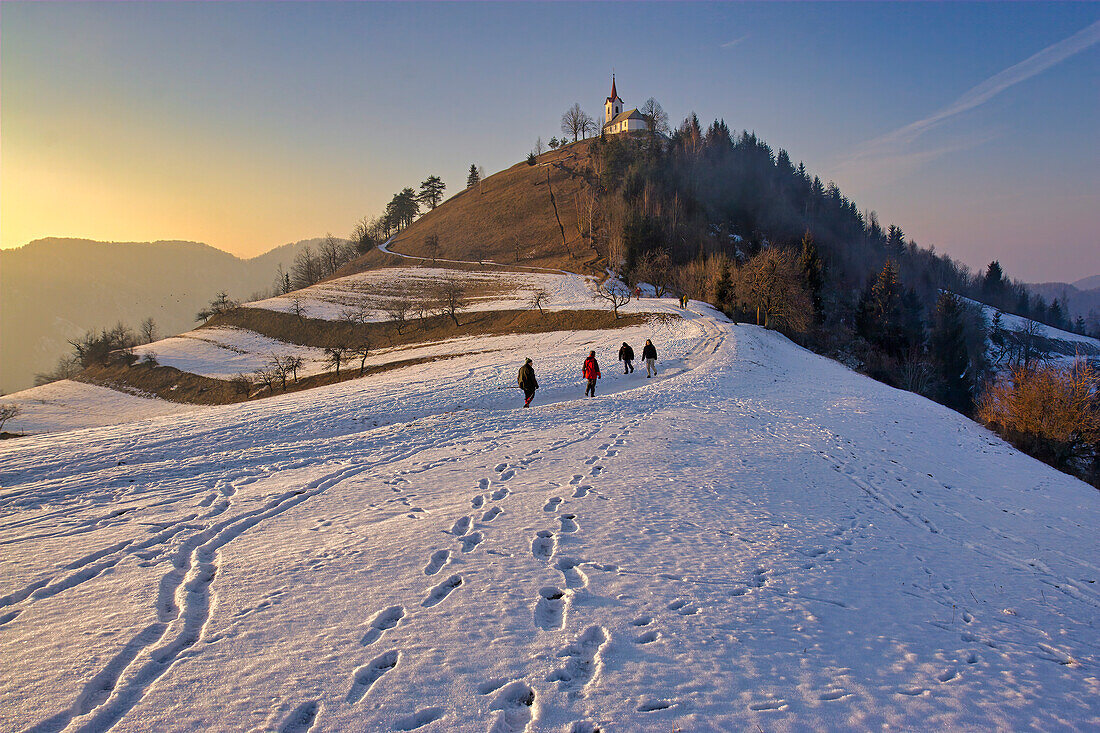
(57,288)
(1080,297)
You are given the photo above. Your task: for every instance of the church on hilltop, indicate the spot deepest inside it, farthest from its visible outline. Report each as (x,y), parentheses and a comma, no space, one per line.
(616,121)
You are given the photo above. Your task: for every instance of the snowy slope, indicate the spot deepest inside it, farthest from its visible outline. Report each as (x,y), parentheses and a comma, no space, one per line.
(70,405)
(1070,343)
(756,539)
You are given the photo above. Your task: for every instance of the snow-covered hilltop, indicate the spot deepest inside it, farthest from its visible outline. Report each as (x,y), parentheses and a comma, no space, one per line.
(756,538)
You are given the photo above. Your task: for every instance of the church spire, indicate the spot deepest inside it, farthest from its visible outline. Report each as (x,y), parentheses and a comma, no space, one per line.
(613,96)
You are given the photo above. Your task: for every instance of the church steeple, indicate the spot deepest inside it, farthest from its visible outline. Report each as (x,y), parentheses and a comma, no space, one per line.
(613,105)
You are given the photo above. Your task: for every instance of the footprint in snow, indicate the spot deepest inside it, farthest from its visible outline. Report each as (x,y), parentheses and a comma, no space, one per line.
(461,526)
(501,493)
(516,703)
(550,608)
(470,541)
(441,591)
(418,719)
(477,502)
(542,547)
(574,577)
(491,514)
(382,621)
(301,718)
(577,478)
(568,523)
(365,676)
(552,504)
(437,561)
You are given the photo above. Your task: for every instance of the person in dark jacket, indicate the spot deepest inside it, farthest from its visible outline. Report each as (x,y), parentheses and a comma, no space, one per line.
(591,372)
(626,355)
(649,356)
(527,382)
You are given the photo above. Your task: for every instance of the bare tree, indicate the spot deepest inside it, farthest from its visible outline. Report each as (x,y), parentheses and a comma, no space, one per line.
(398,311)
(431,246)
(588,126)
(242,384)
(539,298)
(148,331)
(335,356)
(361,350)
(266,377)
(306,269)
(449,297)
(655,115)
(67,368)
(296,307)
(278,370)
(221,303)
(771,283)
(355,313)
(655,267)
(615,292)
(575,122)
(331,254)
(538,146)
(9,412)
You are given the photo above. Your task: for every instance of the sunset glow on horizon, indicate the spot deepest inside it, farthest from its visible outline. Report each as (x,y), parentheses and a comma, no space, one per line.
(247,126)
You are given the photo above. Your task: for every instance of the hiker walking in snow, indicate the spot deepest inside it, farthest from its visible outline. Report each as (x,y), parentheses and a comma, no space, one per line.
(527,382)
(626,355)
(591,372)
(649,356)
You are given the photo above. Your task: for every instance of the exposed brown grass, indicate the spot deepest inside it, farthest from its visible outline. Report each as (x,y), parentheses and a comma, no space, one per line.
(506,213)
(171,384)
(325,334)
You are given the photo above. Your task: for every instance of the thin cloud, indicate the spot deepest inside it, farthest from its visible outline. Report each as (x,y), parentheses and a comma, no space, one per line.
(893,144)
(734,42)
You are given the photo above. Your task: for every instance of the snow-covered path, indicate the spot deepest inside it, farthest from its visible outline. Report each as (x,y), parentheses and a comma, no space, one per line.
(758,537)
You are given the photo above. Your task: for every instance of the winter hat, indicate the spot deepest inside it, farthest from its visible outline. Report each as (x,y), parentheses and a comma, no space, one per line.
(528,360)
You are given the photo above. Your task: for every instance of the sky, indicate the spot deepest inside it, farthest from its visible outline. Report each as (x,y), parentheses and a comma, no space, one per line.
(971,126)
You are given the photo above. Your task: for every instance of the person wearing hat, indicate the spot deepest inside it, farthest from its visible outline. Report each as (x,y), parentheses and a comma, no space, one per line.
(591,372)
(527,382)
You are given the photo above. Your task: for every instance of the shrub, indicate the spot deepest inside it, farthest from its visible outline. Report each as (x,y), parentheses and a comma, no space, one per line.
(1049,411)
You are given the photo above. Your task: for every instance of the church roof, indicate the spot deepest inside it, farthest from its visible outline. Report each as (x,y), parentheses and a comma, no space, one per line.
(614,95)
(630,114)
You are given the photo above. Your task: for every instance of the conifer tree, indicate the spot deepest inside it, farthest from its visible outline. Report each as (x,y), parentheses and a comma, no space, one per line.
(947,347)
(431,191)
(473,177)
(813,273)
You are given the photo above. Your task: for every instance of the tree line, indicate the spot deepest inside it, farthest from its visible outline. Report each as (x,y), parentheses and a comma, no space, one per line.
(724,218)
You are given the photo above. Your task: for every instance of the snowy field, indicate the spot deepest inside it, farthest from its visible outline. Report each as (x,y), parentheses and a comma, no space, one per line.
(69,405)
(757,539)
(373,291)
(222,352)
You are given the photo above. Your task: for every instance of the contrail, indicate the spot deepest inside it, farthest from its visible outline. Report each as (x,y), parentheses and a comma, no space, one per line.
(991,87)
(734,42)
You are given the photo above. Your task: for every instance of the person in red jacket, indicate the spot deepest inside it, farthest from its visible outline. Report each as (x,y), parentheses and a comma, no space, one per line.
(591,372)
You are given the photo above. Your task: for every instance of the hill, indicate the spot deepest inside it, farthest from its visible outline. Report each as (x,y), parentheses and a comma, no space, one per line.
(1079,299)
(757,538)
(55,289)
(509,218)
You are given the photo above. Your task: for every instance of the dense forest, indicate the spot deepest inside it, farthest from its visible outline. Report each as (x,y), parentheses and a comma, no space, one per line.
(725,219)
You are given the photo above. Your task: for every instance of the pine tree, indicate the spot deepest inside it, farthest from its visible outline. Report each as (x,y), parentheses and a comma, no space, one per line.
(895,240)
(474,176)
(994,282)
(813,273)
(881,317)
(947,347)
(431,191)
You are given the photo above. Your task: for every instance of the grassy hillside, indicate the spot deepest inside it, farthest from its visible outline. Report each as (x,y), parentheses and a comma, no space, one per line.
(508,218)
